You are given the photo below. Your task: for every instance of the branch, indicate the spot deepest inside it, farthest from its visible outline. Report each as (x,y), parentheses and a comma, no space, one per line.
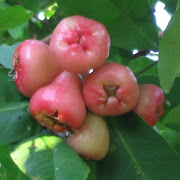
(141,53)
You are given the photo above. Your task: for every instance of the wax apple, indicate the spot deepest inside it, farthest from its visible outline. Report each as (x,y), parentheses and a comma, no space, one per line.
(60,106)
(92,139)
(33,66)
(111,90)
(150,106)
(79,44)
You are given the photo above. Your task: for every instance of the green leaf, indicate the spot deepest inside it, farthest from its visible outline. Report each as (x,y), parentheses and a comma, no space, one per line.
(13,172)
(141,63)
(32,5)
(49,157)
(119,55)
(18,32)
(169,64)
(15,119)
(6,55)
(3,5)
(13,17)
(171,5)
(172,137)
(131,24)
(137,152)
(45,3)
(172,120)
(93,166)
(2,172)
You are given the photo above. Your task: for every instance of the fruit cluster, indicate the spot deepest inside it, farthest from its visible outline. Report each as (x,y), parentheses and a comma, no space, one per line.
(61,100)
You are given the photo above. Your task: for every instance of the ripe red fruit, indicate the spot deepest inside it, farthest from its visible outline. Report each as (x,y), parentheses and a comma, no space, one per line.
(111,90)
(79,44)
(150,106)
(60,106)
(92,139)
(34,67)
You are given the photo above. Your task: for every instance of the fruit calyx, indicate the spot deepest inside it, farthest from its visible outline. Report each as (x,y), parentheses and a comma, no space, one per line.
(111,90)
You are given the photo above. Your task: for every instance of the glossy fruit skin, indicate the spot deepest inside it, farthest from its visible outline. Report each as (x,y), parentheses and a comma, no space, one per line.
(150,106)
(79,44)
(34,66)
(92,139)
(60,105)
(111,90)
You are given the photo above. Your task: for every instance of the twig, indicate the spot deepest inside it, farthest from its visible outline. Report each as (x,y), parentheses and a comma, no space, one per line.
(141,53)
(46,39)
(160,34)
(146,68)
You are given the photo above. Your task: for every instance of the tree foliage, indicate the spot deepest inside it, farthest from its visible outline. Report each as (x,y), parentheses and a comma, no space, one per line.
(137,151)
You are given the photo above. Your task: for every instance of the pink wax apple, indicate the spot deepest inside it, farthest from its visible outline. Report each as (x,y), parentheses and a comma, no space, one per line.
(34,66)
(91,140)
(79,44)
(111,90)
(150,106)
(60,105)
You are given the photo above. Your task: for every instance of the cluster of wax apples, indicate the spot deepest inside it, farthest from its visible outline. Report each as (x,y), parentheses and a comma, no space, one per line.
(51,76)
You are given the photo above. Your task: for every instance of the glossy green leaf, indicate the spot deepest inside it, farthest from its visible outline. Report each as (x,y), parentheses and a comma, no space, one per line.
(172,137)
(140,64)
(6,55)
(3,175)
(13,16)
(18,32)
(130,23)
(120,56)
(169,64)
(93,172)
(13,172)
(172,120)
(49,157)
(171,5)
(45,3)
(32,5)
(3,5)
(16,123)
(137,152)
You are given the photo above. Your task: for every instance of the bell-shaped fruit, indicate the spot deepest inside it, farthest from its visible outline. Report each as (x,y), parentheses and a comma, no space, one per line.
(111,90)
(60,105)
(150,106)
(33,66)
(92,139)
(79,44)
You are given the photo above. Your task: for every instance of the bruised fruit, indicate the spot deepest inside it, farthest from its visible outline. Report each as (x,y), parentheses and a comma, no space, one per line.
(150,106)
(92,139)
(33,66)
(60,106)
(79,44)
(111,90)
